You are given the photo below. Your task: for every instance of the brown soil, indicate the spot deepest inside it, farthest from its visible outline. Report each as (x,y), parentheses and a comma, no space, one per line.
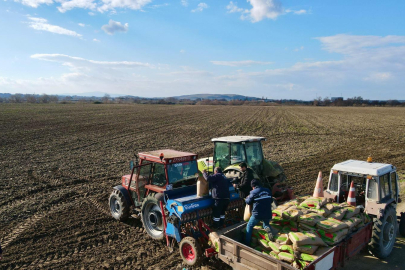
(58,164)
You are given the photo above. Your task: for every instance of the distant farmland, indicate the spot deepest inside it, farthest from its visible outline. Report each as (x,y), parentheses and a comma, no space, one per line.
(59,162)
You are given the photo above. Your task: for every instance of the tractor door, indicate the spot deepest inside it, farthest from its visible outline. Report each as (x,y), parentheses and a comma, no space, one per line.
(222,155)
(394,186)
(144,176)
(254,155)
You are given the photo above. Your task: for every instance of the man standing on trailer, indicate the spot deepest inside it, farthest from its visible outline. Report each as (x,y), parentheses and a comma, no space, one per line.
(244,186)
(219,185)
(261,200)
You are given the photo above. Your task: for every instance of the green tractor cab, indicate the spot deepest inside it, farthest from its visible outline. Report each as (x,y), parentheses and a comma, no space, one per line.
(230,151)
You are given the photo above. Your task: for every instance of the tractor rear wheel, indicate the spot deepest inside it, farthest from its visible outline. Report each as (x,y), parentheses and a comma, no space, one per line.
(384,233)
(118,206)
(190,251)
(152,218)
(402,225)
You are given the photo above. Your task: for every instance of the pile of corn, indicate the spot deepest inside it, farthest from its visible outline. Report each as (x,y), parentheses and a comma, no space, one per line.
(305,228)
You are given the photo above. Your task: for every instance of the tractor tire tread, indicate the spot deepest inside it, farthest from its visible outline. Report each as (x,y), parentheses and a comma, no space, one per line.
(375,245)
(151,196)
(196,246)
(123,204)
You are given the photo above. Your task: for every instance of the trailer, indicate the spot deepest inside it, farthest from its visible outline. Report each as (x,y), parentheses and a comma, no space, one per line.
(233,252)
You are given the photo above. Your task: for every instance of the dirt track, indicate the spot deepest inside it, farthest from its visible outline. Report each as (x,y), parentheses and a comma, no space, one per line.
(59,162)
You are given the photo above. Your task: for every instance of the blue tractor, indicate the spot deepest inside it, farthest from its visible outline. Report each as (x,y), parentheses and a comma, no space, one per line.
(162,191)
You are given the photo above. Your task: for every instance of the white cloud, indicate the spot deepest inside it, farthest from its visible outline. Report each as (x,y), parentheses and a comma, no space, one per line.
(349,44)
(184,2)
(73,61)
(81,24)
(369,66)
(379,77)
(68,5)
(96,40)
(245,63)
(200,7)
(299,49)
(262,9)
(112,27)
(182,51)
(91,13)
(42,24)
(34,3)
(232,7)
(131,4)
(297,12)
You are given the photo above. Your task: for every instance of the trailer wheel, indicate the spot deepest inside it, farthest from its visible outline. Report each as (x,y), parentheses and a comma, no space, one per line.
(402,225)
(151,217)
(118,206)
(384,234)
(190,251)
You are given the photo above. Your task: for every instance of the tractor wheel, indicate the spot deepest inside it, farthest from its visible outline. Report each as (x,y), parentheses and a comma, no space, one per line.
(151,217)
(384,234)
(118,206)
(402,225)
(190,251)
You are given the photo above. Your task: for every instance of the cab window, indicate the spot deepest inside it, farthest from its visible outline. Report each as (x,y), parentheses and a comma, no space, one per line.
(221,155)
(237,153)
(254,153)
(394,185)
(334,182)
(159,176)
(372,189)
(385,186)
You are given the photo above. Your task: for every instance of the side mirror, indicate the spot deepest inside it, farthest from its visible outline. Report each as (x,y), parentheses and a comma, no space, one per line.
(131,164)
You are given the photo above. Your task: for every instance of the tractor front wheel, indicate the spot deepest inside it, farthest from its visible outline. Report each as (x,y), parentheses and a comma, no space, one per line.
(190,251)
(152,218)
(384,233)
(118,206)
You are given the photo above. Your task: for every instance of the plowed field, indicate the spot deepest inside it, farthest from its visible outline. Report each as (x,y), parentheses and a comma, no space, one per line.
(59,162)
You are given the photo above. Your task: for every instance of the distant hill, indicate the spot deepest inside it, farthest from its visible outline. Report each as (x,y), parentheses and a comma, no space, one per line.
(216,96)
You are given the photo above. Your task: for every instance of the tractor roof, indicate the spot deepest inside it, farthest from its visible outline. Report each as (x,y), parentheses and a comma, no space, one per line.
(169,156)
(363,167)
(238,139)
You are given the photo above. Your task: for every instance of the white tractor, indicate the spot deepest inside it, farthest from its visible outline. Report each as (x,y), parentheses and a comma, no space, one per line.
(377,190)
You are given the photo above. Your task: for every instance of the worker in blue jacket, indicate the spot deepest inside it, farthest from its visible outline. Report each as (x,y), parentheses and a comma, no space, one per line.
(261,200)
(219,186)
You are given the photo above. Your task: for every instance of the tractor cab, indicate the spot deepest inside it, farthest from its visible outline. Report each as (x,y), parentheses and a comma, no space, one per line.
(158,169)
(376,187)
(230,151)
(375,183)
(236,149)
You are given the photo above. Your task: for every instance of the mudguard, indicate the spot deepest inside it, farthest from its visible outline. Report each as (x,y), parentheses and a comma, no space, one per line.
(125,193)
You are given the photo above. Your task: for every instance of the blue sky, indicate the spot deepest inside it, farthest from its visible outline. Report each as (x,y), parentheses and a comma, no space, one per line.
(276,49)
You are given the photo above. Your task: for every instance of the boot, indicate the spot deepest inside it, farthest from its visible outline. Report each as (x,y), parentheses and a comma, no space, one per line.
(269,233)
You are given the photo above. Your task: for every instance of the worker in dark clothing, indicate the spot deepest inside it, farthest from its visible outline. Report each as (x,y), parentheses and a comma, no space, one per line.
(261,200)
(244,186)
(219,185)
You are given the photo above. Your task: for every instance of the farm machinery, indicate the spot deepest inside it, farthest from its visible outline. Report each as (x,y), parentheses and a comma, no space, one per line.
(377,188)
(162,191)
(231,151)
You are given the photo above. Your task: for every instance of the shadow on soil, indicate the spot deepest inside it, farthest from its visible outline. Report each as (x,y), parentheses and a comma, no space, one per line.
(365,260)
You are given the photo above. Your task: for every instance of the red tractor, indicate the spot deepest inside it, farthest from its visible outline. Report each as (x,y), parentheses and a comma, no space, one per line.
(144,187)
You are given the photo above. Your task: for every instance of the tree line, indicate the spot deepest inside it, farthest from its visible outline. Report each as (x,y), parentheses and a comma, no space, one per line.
(44,98)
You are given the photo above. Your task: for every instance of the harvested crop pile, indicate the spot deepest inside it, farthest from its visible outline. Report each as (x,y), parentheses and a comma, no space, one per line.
(302,239)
